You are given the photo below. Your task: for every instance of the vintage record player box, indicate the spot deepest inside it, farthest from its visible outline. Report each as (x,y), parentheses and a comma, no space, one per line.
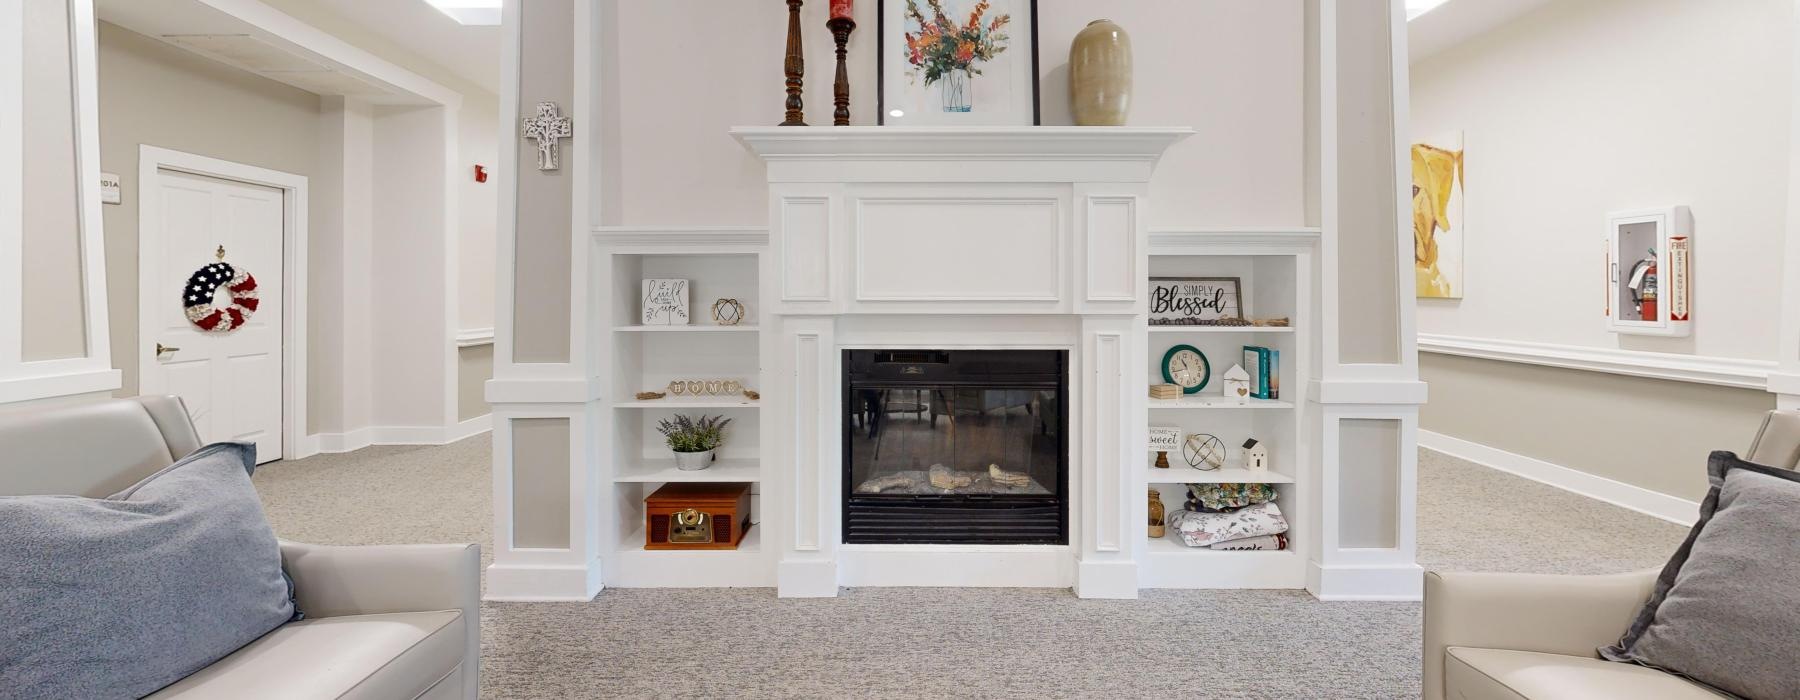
(697,516)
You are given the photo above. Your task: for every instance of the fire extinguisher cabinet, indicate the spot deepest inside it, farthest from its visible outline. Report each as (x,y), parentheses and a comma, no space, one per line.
(1649,272)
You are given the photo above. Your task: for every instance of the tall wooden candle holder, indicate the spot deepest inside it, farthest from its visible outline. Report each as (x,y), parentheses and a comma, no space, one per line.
(840,90)
(795,66)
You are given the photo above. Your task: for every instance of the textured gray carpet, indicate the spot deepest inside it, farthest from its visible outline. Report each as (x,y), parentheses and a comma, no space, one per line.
(901,642)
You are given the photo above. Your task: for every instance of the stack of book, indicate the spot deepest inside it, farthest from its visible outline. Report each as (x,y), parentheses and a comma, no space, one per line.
(1165,391)
(1264,367)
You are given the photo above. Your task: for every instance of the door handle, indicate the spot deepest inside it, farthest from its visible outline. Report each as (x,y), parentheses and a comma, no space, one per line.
(160,349)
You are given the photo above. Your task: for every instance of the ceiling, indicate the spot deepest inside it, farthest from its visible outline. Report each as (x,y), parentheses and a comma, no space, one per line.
(1458,21)
(470,52)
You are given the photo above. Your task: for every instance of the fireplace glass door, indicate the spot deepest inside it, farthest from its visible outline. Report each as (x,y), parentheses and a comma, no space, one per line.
(965,446)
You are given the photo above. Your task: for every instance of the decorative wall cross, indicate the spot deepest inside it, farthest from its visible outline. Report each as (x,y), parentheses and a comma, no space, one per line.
(547,127)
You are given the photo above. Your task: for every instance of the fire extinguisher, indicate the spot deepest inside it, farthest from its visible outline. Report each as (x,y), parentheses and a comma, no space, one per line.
(1647,309)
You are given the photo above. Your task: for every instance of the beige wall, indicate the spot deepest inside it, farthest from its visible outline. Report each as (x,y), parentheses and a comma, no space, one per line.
(1650,433)
(54,313)
(545,197)
(474,366)
(1575,110)
(154,94)
(1233,72)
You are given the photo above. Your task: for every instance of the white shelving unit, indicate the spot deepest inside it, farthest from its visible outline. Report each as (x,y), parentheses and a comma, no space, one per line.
(717,264)
(1275,272)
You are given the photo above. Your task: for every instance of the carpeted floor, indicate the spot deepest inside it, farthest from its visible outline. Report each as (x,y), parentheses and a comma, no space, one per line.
(901,642)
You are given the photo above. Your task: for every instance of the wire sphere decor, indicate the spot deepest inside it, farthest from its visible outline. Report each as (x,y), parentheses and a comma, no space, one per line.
(1203,452)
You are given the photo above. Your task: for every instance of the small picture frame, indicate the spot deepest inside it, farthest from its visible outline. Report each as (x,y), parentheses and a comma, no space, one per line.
(664,302)
(978,66)
(1197,301)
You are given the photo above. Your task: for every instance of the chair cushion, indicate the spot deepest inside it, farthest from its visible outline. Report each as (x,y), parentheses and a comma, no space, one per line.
(1504,674)
(384,656)
(1723,609)
(117,597)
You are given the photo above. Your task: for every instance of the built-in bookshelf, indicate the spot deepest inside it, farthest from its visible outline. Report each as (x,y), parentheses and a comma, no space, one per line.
(642,358)
(1274,270)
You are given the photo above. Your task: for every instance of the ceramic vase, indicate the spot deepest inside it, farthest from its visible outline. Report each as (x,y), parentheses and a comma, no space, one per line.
(693,461)
(1100,75)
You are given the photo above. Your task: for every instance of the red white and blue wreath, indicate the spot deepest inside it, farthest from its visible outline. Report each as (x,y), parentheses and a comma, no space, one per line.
(201,288)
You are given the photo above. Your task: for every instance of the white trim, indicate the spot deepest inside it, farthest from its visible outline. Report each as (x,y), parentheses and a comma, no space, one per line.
(1719,371)
(294,387)
(625,239)
(82,381)
(474,337)
(284,29)
(338,443)
(1623,495)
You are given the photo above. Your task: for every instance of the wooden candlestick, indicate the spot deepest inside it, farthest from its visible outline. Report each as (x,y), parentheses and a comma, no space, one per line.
(1162,459)
(840,90)
(795,65)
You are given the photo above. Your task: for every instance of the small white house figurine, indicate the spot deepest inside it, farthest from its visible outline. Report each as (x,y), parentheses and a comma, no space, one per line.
(1256,456)
(665,302)
(1237,384)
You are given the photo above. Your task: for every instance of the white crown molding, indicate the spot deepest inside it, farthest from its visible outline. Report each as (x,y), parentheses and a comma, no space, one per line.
(1652,503)
(474,337)
(1718,371)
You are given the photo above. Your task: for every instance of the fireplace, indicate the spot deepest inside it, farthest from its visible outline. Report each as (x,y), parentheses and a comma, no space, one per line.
(956,447)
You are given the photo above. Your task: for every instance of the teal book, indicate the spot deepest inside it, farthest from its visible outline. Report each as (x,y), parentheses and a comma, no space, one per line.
(1274,374)
(1256,364)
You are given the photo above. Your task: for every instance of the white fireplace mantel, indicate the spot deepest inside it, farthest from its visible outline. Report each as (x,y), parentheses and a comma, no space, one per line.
(911,237)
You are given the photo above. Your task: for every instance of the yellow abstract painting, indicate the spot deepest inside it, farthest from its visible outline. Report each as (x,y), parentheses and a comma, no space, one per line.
(1439,228)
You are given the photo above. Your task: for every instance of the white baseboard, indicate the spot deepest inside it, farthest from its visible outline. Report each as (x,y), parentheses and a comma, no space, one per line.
(1652,503)
(1381,582)
(338,443)
(531,583)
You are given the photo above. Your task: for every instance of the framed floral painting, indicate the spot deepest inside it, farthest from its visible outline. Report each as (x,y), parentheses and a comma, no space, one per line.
(958,62)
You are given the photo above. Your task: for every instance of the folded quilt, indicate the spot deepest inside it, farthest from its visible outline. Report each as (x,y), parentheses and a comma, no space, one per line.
(1260,542)
(1204,529)
(1217,497)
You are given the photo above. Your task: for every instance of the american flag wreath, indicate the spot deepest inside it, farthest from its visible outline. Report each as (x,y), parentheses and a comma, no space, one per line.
(197,296)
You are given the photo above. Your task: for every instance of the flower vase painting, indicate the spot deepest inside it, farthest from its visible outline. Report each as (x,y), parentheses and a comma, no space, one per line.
(958,62)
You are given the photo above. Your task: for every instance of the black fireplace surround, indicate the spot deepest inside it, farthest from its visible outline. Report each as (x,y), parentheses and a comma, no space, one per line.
(956,447)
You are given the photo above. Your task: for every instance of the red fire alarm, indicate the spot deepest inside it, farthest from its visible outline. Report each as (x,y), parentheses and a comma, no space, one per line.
(480,174)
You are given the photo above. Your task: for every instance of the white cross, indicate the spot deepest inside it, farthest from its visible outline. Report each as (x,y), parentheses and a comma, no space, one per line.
(547,127)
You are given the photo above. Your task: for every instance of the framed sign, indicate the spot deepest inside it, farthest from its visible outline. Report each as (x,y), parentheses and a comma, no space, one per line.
(1196,301)
(957,62)
(1165,438)
(665,302)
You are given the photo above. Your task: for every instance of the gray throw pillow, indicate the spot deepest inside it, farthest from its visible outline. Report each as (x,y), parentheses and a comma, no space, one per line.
(1726,610)
(118,597)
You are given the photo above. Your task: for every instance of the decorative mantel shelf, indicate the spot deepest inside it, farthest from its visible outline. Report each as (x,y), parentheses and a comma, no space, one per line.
(1055,153)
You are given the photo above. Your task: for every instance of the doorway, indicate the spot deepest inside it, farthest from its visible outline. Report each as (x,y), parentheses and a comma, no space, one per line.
(220,285)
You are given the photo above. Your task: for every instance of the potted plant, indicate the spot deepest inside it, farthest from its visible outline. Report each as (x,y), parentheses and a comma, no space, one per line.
(693,439)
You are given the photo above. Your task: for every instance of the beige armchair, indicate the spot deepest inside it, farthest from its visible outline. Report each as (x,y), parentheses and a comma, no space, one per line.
(1533,636)
(381,622)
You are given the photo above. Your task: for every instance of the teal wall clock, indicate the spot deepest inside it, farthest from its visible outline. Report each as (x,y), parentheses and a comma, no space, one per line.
(1186,367)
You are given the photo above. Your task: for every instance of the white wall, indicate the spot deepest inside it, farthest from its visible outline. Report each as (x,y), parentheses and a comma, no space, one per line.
(1569,112)
(1232,71)
(1581,108)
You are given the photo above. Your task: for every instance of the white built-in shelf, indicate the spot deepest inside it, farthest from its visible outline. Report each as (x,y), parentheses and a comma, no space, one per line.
(751,544)
(687,329)
(1214,403)
(1171,544)
(1183,474)
(734,402)
(664,471)
(1221,329)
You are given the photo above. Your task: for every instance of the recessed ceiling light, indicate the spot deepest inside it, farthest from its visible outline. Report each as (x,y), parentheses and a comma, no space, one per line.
(1414,8)
(897,113)
(479,13)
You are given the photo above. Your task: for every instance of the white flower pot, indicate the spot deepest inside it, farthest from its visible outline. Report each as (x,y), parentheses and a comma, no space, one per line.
(693,461)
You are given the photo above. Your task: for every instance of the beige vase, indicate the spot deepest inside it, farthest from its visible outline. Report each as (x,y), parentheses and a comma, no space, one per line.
(1100,75)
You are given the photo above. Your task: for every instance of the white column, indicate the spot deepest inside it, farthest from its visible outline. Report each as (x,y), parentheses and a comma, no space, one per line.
(1784,382)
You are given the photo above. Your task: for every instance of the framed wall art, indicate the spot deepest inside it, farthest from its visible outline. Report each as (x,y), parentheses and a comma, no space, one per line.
(1196,301)
(665,302)
(957,62)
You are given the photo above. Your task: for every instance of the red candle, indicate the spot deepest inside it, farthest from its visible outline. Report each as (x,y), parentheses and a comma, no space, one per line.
(840,9)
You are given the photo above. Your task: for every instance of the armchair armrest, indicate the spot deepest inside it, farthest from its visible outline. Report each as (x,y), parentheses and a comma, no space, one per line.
(331,581)
(1571,615)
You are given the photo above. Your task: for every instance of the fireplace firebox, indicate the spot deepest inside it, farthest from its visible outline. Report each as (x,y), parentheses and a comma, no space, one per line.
(956,447)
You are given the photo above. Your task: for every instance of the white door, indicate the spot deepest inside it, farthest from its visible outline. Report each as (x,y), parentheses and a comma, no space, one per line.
(231,380)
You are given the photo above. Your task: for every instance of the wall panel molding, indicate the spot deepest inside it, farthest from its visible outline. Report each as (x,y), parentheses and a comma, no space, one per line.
(1719,371)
